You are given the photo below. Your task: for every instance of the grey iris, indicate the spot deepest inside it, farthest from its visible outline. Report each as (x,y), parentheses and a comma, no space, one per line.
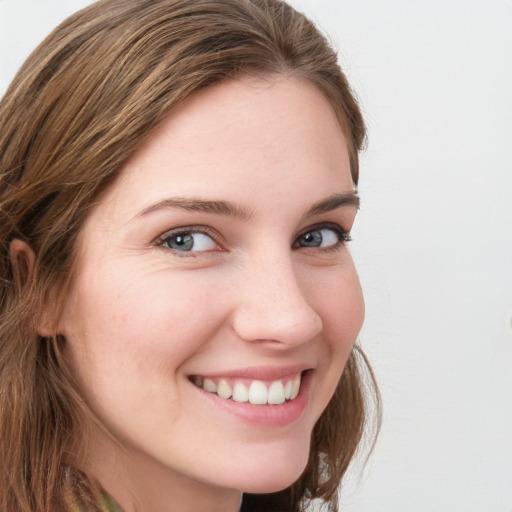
(183,242)
(311,239)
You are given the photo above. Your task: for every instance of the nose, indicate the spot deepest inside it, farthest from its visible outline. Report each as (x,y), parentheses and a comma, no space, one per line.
(272,305)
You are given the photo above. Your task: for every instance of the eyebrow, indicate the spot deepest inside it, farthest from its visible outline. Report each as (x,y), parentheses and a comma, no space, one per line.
(200,205)
(350,199)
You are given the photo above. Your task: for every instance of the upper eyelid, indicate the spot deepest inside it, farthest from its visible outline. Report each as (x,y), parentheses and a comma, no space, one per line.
(205,230)
(325,225)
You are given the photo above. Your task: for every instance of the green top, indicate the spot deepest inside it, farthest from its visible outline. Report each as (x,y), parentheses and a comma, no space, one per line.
(107,504)
(81,496)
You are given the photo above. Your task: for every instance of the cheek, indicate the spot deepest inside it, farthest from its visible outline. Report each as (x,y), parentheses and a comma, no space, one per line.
(126,345)
(134,300)
(339,301)
(136,328)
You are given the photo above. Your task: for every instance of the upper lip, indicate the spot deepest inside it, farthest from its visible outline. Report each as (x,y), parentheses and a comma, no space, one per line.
(267,373)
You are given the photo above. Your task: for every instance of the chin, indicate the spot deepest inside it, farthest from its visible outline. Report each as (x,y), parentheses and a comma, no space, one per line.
(275,475)
(269,486)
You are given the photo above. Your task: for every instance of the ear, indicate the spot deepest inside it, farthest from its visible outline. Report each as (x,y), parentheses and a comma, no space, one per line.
(23,260)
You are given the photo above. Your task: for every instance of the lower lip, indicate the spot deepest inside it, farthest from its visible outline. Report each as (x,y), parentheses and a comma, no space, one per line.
(265,415)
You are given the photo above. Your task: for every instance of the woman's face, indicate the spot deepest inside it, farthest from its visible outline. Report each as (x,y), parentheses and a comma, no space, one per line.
(218,260)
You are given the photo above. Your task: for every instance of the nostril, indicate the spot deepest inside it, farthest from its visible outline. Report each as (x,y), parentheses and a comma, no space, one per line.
(277,327)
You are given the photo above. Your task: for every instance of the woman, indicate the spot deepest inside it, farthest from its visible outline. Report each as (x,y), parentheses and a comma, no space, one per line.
(179,307)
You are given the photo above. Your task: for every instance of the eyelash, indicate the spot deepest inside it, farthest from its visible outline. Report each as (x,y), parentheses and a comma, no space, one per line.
(205,230)
(342,235)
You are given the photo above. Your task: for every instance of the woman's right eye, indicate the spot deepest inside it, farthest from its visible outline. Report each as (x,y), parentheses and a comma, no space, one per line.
(188,241)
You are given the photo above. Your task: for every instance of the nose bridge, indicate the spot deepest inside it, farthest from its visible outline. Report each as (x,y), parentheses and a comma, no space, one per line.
(272,305)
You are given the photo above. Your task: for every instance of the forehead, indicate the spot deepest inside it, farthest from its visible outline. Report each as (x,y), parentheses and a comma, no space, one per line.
(252,138)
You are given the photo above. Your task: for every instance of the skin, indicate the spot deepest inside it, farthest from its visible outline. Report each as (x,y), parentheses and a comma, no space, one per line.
(142,317)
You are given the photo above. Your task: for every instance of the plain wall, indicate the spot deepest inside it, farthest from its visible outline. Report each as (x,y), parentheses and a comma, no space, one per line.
(433,241)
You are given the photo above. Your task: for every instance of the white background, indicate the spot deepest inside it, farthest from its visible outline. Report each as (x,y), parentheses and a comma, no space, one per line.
(433,242)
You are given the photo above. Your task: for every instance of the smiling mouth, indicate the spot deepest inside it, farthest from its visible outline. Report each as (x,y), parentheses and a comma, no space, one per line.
(255,392)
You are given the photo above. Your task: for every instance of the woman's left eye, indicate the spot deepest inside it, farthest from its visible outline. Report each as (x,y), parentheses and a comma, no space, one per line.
(323,237)
(188,241)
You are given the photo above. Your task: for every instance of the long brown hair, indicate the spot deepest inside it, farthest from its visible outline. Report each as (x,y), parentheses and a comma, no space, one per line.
(79,107)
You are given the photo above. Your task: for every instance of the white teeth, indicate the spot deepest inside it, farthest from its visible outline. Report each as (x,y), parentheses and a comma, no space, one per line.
(295,387)
(258,393)
(288,390)
(240,392)
(210,386)
(224,389)
(276,393)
